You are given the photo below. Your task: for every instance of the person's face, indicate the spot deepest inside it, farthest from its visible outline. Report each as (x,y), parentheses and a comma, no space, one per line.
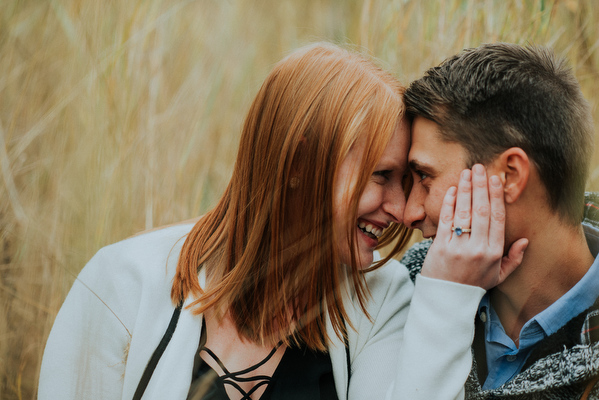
(435,165)
(381,203)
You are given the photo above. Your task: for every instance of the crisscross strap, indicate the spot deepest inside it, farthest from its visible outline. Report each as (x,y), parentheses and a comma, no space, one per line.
(147,375)
(233,378)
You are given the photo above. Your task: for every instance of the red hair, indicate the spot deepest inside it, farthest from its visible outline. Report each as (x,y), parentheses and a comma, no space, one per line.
(268,246)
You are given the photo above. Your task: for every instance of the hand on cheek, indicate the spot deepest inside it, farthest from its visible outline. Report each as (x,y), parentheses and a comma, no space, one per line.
(472,252)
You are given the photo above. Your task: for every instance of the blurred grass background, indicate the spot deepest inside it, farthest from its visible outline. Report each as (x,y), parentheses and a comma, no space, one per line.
(122,115)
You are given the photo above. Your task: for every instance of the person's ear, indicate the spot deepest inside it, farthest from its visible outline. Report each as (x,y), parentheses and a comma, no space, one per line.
(513,168)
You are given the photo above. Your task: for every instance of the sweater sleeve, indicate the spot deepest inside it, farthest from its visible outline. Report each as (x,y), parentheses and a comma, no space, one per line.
(86,351)
(374,347)
(435,358)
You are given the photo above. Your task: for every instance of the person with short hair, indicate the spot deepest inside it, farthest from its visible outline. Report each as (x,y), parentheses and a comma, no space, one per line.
(518,112)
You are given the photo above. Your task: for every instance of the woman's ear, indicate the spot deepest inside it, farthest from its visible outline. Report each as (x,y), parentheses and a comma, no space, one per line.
(513,168)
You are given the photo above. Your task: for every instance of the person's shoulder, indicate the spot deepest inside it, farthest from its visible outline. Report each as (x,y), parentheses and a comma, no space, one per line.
(134,271)
(591,209)
(137,257)
(149,243)
(590,223)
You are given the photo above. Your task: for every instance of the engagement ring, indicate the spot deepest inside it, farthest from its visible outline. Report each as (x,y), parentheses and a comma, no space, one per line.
(459,230)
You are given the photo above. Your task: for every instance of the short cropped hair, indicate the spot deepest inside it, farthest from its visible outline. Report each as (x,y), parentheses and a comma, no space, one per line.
(502,95)
(268,247)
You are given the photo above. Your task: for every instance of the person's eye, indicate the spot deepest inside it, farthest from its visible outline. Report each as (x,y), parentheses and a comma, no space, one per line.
(383,175)
(419,176)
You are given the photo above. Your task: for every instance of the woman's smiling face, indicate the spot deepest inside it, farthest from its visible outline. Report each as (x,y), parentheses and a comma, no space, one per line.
(382,202)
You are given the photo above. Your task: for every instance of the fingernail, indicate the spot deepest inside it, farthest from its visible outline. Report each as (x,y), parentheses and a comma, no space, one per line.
(452,191)
(478,169)
(495,181)
(466,175)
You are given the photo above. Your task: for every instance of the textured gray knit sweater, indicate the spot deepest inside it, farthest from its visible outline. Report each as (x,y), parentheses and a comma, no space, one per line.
(562,365)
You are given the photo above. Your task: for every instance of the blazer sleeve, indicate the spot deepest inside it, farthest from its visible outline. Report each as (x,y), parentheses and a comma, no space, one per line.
(86,352)
(435,357)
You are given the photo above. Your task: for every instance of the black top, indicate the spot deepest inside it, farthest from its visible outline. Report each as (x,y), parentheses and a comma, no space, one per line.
(302,374)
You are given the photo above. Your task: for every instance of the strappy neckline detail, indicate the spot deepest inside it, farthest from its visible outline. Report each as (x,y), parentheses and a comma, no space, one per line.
(233,378)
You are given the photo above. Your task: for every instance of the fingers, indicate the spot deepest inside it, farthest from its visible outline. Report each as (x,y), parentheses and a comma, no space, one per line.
(513,260)
(481,208)
(464,201)
(476,258)
(497,222)
(446,216)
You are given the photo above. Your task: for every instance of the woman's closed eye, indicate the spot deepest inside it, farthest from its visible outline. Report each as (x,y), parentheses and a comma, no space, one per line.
(383,175)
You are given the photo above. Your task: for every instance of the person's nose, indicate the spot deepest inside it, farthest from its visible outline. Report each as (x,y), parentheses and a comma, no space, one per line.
(394,205)
(414,212)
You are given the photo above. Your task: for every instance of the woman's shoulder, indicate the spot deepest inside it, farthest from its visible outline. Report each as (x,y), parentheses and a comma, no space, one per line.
(153,240)
(146,247)
(125,275)
(143,262)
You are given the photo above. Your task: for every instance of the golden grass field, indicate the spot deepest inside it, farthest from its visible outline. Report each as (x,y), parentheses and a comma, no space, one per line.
(122,115)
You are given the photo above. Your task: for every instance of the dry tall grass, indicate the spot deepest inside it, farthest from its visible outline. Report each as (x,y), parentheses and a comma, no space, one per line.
(117,116)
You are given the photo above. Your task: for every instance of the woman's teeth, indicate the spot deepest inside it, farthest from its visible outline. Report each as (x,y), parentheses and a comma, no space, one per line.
(373,230)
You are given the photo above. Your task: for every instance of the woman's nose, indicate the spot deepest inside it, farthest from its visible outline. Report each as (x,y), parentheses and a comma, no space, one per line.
(414,211)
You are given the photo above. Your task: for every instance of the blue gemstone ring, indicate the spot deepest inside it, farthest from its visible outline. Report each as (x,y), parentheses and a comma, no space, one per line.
(459,230)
